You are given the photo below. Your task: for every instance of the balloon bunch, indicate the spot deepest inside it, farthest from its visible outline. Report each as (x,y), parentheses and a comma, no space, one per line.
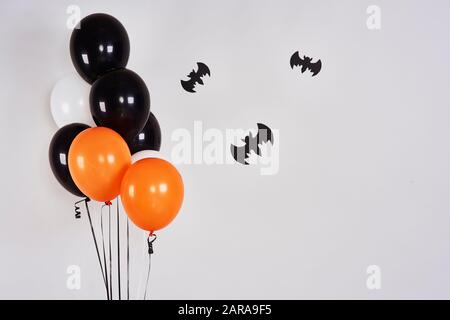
(120,155)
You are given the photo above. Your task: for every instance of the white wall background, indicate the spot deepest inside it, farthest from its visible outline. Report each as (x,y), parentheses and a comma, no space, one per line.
(364,153)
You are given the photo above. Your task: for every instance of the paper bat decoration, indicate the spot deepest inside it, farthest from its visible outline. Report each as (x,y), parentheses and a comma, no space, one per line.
(252,143)
(195,77)
(306,64)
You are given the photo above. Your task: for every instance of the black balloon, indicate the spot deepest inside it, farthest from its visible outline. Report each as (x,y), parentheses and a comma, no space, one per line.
(149,138)
(120,101)
(58,155)
(100,45)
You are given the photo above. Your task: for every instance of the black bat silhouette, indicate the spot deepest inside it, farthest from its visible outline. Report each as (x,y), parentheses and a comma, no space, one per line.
(305,63)
(195,77)
(264,135)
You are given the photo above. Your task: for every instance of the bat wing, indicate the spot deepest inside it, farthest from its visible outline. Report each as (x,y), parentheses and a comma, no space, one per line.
(239,154)
(296,60)
(202,69)
(264,134)
(315,67)
(188,85)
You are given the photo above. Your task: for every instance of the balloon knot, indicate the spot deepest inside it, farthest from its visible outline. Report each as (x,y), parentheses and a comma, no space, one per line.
(151,238)
(108,203)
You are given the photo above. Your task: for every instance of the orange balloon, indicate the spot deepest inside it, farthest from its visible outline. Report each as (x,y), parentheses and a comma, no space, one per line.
(152,193)
(98,159)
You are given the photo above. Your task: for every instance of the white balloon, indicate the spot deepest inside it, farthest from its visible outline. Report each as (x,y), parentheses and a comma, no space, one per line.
(69,101)
(145,154)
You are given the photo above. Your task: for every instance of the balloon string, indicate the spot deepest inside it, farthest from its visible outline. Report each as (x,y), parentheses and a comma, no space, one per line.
(110,253)
(151,238)
(128,259)
(78,209)
(86,200)
(104,254)
(148,275)
(118,247)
